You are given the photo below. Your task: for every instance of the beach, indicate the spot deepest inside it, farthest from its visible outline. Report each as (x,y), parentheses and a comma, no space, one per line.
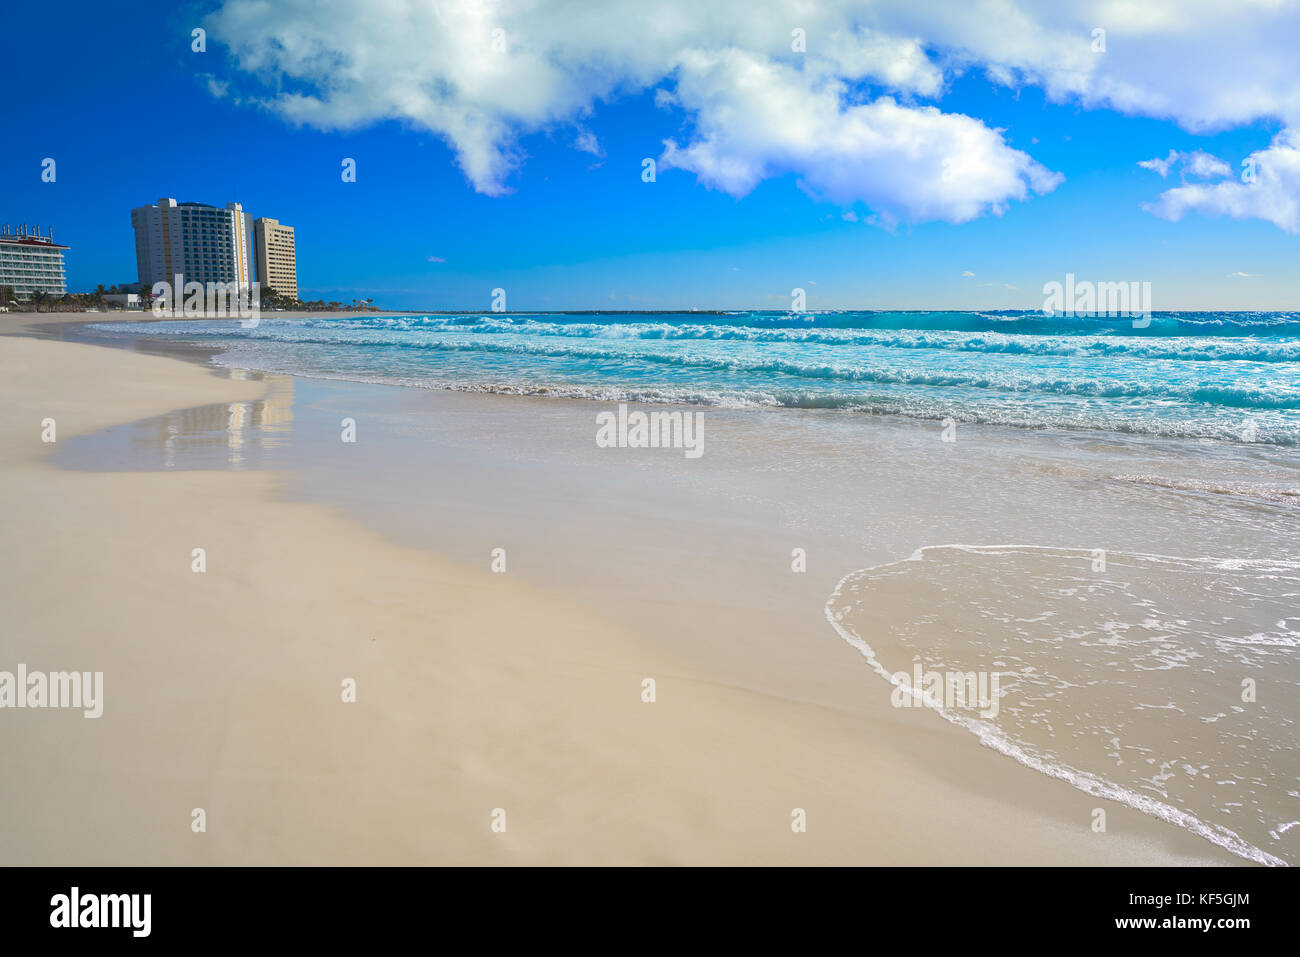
(522,689)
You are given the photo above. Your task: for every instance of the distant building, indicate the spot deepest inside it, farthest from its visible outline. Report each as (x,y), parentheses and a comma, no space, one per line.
(30,262)
(198,242)
(277,263)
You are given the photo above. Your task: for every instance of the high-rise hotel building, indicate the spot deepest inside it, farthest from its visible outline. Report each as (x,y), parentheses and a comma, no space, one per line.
(198,242)
(277,265)
(30,262)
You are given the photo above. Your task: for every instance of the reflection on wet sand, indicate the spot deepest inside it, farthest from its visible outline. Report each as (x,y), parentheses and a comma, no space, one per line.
(233,436)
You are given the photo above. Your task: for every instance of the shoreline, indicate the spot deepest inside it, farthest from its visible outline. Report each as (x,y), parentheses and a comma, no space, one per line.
(598,776)
(1051,389)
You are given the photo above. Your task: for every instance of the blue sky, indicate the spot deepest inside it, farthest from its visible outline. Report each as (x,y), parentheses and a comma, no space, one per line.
(127,110)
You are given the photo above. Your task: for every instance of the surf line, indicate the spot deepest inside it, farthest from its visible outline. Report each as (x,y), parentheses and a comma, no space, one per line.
(993,737)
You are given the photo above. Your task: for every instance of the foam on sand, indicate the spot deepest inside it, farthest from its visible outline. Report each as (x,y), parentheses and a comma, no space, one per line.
(1121,674)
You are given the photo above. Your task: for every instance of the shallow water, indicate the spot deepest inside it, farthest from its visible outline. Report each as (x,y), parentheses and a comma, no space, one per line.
(1170,684)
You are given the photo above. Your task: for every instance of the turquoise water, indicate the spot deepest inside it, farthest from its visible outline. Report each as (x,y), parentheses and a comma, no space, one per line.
(1227,376)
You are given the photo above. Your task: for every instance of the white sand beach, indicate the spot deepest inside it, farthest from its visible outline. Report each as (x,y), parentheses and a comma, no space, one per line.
(476,691)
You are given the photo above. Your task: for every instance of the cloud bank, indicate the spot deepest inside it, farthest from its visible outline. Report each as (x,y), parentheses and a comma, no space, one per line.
(1269,189)
(846,96)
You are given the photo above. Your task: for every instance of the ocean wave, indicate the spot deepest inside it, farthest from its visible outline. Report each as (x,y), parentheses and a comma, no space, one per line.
(379,332)
(1229,388)
(1183,349)
(1276,396)
(1018,416)
(1028,322)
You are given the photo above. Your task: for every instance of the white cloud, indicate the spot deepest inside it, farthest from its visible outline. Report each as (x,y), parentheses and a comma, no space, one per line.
(846,111)
(586,142)
(216,88)
(1204,165)
(1206,64)
(1243,275)
(968,274)
(1161,166)
(664,99)
(341,64)
(899,63)
(436,259)
(1196,163)
(758,118)
(1273,195)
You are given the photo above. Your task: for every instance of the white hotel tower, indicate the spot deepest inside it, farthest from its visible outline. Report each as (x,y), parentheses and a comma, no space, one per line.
(201,243)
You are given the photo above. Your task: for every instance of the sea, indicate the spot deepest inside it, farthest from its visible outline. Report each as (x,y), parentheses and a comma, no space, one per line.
(1217,375)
